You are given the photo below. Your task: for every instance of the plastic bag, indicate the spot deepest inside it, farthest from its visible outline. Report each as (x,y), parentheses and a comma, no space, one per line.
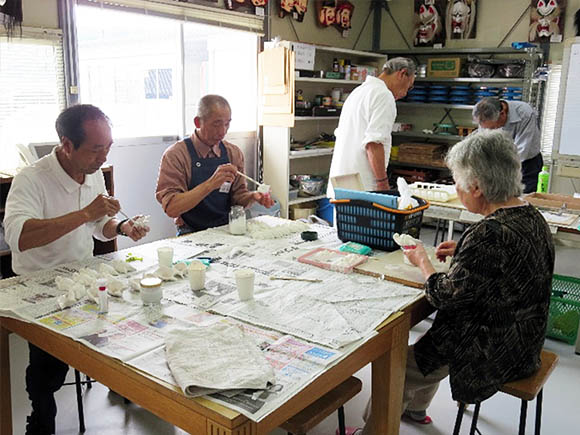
(406,201)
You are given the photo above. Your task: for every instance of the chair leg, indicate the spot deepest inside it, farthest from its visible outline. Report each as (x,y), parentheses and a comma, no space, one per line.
(88,381)
(80,401)
(341,425)
(539,412)
(474,419)
(523,413)
(459,418)
(437,231)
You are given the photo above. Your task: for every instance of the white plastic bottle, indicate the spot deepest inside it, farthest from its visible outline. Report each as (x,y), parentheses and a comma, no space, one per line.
(103,297)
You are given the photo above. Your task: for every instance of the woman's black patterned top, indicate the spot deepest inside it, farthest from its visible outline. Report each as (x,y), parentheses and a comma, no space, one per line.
(493,304)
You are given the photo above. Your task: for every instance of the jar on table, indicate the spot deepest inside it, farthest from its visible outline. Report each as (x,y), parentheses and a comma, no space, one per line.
(151,292)
(237,220)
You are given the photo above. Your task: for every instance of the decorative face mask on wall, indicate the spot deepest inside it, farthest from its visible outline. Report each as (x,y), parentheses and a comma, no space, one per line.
(297,8)
(260,3)
(344,12)
(326,12)
(429,23)
(460,19)
(547,20)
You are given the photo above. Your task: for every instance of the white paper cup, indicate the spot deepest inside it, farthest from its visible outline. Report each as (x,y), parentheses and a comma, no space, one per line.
(165,256)
(196,275)
(245,283)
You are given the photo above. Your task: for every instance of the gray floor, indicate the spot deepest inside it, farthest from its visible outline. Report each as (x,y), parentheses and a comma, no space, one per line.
(105,412)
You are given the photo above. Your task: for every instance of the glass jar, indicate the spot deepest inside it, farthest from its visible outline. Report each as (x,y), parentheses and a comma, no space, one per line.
(237,220)
(151,292)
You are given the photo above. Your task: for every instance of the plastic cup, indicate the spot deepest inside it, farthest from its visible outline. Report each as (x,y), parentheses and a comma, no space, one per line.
(165,256)
(245,283)
(196,275)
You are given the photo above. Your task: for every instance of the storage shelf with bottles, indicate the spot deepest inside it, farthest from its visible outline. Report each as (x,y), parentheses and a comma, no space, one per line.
(279,159)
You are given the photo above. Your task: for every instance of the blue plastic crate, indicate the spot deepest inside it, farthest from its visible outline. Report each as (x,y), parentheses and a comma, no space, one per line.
(374,225)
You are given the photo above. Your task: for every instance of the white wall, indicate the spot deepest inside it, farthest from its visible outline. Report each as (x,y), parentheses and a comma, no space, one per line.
(135,168)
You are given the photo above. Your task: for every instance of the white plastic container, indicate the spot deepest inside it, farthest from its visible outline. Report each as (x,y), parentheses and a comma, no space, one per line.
(196,272)
(245,283)
(151,291)
(433,191)
(165,256)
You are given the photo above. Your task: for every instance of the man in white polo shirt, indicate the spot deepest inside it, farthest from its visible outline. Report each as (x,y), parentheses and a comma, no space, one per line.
(363,135)
(53,210)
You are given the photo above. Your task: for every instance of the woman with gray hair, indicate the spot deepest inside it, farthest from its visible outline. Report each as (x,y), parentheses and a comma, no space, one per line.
(493,302)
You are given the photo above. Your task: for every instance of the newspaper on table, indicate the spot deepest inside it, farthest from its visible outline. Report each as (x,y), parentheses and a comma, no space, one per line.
(217,357)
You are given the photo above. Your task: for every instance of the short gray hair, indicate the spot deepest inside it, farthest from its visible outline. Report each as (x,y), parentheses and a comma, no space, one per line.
(487,109)
(489,159)
(209,103)
(400,63)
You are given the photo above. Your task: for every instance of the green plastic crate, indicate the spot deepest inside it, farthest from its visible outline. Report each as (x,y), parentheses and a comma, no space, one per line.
(564,309)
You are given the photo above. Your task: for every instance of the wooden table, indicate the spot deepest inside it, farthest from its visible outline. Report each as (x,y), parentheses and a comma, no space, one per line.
(387,352)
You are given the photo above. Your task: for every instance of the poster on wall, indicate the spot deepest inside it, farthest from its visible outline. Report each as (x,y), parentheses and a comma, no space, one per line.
(460,19)
(429,23)
(547,20)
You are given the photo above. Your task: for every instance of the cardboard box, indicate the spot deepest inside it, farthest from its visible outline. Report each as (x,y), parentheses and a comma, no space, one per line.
(444,67)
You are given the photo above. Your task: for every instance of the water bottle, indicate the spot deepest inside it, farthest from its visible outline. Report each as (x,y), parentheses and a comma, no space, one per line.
(543,180)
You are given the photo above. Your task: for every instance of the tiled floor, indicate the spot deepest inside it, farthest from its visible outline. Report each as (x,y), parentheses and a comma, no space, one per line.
(106,414)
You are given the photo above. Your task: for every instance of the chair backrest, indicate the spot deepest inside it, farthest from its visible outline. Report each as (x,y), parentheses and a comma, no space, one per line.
(528,388)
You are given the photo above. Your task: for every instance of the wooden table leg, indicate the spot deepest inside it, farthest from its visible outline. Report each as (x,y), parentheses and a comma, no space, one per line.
(5,400)
(388,381)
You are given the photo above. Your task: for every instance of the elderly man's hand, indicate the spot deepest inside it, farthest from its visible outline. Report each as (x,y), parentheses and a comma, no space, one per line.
(445,249)
(223,174)
(264,199)
(102,205)
(133,231)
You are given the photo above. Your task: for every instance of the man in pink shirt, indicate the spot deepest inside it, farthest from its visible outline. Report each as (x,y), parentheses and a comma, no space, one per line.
(198,178)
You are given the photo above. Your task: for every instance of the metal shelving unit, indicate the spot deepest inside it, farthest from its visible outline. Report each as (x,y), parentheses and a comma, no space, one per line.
(306,199)
(531,88)
(468,80)
(315,118)
(437,137)
(440,105)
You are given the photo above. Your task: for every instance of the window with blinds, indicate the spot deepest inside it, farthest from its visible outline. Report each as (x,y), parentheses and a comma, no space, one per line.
(33,93)
(550,108)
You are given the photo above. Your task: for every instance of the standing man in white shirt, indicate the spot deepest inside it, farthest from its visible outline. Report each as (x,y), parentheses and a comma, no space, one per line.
(363,136)
(53,210)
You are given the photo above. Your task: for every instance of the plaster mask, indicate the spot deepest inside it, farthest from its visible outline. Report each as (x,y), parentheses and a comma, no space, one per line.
(546,7)
(459,17)
(427,12)
(327,15)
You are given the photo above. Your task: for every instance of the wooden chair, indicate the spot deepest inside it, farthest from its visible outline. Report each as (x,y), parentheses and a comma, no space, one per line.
(525,389)
(312,415)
